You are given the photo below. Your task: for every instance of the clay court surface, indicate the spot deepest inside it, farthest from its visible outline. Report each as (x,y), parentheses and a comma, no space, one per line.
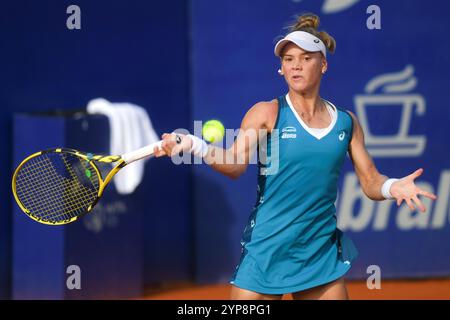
(390,290)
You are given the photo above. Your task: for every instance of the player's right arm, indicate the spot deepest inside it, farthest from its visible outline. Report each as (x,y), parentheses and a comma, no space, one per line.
(233,162)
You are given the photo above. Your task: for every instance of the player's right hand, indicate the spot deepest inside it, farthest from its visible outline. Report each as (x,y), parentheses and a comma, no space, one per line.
(170,146)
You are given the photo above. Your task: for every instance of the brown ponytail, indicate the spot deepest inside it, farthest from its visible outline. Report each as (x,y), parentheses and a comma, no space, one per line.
(310,23)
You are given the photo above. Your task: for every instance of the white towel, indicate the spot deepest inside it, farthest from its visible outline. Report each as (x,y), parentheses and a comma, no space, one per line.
(131,129)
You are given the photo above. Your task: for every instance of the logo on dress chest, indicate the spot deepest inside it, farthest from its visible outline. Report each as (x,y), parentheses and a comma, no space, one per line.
(288,133)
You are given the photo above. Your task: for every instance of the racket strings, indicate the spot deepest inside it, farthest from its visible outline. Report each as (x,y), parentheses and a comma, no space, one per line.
(57,186)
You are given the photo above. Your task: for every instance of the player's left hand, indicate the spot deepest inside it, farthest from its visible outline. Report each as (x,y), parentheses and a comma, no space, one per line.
(405,189)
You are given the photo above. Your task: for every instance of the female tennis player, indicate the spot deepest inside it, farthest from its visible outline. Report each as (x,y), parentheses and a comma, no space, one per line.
(291,243)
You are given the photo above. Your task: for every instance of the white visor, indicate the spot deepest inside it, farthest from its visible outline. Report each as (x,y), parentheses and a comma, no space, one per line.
(304,40)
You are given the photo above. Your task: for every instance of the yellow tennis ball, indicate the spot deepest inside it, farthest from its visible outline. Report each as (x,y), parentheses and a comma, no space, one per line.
(213,131)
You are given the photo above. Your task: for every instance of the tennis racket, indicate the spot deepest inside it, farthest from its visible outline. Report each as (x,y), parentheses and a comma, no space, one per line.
(59,186)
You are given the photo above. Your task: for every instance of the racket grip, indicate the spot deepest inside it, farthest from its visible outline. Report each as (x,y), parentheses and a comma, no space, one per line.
(141,153)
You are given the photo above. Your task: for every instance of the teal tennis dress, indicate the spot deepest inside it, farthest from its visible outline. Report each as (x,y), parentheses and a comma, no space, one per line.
(291,242)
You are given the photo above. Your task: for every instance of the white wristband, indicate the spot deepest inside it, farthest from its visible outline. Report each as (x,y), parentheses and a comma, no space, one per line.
(386,188)
(199,146)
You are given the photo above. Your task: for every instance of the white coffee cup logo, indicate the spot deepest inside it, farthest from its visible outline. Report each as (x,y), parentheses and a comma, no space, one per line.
(395,88)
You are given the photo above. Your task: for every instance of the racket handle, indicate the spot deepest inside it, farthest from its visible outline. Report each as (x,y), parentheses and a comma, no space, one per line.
(141,153)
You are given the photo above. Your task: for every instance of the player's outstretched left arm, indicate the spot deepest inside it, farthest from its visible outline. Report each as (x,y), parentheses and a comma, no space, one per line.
(377,186)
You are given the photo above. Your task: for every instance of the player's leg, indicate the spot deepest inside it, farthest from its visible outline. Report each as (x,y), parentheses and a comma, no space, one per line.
(243,294)
(335,290)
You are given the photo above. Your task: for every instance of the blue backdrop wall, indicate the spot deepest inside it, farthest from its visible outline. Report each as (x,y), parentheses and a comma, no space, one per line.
(134,51)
